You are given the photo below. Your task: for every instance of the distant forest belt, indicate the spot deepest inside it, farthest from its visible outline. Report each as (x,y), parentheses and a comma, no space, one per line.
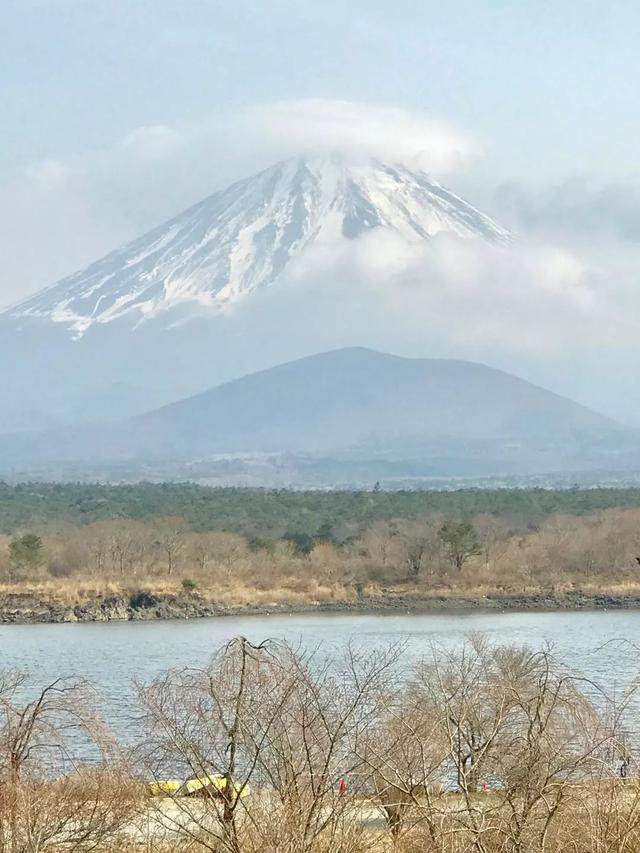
(273,513)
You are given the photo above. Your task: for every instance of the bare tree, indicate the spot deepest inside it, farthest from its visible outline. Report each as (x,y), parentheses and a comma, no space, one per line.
(486,749)
(420,540)
(201,551)
(274,721)
(125,546)
(199,723)
(314,767)
(171,540)
(49,797)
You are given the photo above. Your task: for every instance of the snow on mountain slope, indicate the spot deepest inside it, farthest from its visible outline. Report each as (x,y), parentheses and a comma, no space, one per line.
(240,239)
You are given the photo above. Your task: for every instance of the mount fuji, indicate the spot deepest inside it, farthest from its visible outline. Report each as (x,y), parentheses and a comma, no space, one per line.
(241,239)
(162,317)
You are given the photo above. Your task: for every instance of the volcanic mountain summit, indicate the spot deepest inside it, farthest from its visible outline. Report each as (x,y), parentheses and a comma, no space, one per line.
(240,239)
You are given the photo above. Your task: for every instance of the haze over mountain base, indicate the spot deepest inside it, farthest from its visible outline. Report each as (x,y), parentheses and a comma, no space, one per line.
(343,418)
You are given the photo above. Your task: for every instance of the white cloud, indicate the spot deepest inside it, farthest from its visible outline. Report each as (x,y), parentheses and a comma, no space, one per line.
(464,295)
(47,228)
(580,208)
(384,132)
(530,308)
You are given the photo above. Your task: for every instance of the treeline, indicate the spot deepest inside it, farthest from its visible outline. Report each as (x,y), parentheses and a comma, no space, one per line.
(430,554)
(273,513)
(271,748)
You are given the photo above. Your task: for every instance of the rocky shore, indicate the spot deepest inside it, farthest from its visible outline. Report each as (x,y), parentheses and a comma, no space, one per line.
(31,607)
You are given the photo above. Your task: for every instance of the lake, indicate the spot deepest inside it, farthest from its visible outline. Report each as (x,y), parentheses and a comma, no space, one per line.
(599,644)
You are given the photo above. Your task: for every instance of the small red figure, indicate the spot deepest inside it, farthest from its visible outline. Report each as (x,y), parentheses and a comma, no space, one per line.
(342,787)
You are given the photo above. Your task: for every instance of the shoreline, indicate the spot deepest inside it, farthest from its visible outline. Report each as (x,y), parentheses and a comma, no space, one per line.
(30,607)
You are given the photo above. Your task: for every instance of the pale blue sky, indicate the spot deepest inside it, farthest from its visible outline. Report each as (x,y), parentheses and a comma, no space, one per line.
(548,86)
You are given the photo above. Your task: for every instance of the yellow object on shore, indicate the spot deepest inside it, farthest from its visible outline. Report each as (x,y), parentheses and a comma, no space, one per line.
(202,784)
(198,786)
(164,787)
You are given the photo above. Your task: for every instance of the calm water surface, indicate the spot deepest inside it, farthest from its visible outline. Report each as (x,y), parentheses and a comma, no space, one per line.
(111,655)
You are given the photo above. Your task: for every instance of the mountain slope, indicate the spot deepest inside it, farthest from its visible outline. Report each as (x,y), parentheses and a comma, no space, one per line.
(354,397)
(455,417)
(241,239)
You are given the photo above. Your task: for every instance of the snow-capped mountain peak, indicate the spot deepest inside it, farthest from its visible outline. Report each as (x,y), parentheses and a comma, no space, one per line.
(241,239)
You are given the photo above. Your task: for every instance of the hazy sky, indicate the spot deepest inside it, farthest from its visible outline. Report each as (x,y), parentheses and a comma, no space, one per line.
(117,114)
(549,86)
